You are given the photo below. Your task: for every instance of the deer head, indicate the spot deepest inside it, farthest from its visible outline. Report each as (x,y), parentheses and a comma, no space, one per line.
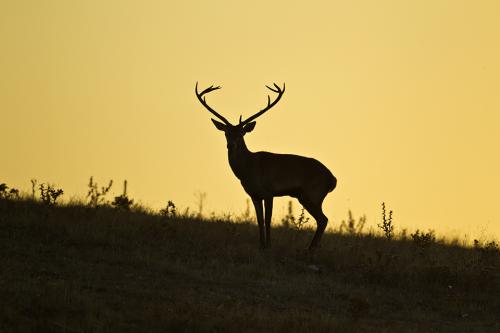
(234,133)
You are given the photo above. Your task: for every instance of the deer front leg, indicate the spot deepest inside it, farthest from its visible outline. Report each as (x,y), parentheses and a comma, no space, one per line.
(268,202)
(260,220)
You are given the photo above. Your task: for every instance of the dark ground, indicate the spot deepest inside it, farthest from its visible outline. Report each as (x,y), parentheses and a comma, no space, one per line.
(79,269)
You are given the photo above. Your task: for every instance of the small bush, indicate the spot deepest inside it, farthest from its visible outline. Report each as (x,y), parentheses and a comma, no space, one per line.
(95,196)
(386,225)
(33,187)
(169,211)
(49,194)
(423,240)
(290,220)
(300,222)
(123,201)
(5,193)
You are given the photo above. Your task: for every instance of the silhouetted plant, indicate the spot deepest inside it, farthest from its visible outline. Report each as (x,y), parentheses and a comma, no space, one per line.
(351,226)
(96,196)
(33,187)
(423,240)
(301,221)
(169,211)
(49,194)
(386,225)
(290,220)
(14,193)
(123,201)
(3,189)
(5,193)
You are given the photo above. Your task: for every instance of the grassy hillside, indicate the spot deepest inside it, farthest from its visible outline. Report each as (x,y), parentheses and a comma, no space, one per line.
(72,268)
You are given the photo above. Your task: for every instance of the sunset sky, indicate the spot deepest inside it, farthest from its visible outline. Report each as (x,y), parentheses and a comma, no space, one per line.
(399,99)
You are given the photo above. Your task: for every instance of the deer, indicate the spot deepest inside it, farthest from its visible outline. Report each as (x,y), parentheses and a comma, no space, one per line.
(266,175)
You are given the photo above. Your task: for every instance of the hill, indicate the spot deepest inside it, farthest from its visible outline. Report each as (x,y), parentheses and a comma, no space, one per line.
(73,268)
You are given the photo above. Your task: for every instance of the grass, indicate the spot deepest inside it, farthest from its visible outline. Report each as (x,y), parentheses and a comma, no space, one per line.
(76,268)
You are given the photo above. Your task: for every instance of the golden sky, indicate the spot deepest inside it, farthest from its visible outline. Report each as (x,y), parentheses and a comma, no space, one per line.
(400,99)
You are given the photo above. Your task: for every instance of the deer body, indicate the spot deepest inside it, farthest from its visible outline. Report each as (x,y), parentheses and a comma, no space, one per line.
(261,177)
(265,175)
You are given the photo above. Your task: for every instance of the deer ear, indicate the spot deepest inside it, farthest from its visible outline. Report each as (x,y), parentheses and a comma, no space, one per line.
(249,127)
(219,126)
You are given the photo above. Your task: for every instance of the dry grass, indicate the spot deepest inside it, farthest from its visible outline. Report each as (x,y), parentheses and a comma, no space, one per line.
(78,269)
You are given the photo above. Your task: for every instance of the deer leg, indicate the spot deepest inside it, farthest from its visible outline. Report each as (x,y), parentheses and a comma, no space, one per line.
(260,220)
(321,220)
(268,202)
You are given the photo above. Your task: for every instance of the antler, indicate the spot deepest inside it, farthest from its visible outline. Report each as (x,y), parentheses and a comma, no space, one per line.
(277,90)
(201,98)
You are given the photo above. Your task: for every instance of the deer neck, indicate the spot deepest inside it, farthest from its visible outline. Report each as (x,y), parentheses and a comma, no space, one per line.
(239,159)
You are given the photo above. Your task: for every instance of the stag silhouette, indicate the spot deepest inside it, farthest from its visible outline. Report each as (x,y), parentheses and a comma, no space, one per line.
(265,175)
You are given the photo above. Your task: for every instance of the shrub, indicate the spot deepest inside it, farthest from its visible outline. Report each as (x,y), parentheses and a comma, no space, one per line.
(423,240)
(96,196)
(300,222)
(290,220)
(49,194)
(123,201)
(5,193)
(169,211)
(386,225)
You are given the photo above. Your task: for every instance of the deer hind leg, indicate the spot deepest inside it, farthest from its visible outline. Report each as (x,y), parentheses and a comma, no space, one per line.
(260,220)
(268,202)
(314,208)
